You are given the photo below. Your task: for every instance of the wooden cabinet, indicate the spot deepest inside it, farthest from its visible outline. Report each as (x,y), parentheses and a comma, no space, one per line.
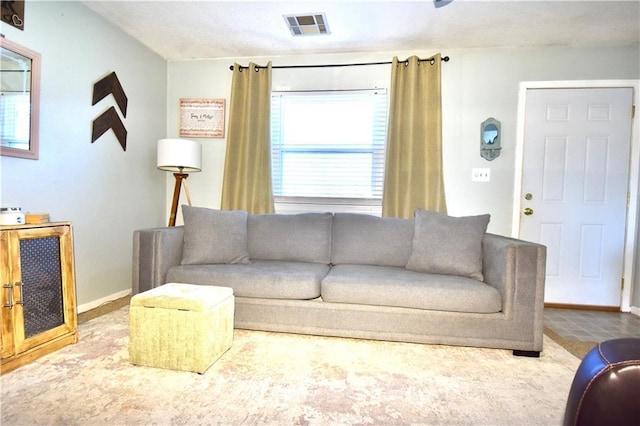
(38,293)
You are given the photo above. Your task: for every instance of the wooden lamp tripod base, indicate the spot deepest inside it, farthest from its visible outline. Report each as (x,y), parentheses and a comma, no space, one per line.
(176,196)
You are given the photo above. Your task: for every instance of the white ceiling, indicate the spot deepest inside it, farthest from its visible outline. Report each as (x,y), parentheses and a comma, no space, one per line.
(221,29)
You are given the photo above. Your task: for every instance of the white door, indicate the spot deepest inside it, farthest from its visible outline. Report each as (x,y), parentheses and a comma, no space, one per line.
(574,189)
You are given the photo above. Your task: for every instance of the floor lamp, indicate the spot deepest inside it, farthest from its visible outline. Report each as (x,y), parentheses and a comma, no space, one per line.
(181,156)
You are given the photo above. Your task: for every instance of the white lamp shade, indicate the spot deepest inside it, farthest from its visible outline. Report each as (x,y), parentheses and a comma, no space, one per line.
(179,155)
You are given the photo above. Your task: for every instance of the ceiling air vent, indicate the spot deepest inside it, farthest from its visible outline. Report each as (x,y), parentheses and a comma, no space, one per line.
(307,24)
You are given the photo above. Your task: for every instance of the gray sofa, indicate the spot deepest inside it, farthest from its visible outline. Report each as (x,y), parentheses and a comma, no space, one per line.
(435,279)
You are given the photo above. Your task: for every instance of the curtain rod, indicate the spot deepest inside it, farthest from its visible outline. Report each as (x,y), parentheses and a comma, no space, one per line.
(443,59)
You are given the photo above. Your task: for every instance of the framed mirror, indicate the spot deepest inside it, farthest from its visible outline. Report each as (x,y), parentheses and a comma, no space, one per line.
(490,135)
(19,100)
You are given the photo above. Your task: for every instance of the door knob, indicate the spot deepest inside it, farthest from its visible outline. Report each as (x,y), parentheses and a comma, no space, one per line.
(528,211)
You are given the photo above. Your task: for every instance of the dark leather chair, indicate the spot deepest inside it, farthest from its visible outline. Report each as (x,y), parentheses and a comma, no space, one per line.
(606,387)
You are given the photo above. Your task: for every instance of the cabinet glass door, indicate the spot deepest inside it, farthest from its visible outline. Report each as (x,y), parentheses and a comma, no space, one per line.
(41,292)
(42,280)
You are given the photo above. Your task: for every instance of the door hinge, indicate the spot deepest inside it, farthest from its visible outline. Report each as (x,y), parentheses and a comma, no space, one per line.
(622,285)
(633,111)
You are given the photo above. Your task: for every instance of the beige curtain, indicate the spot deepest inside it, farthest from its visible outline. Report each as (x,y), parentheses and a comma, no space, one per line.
(413,171)
(247,167)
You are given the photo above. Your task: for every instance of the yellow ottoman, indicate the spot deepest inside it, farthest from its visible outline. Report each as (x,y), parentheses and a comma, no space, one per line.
(181,326)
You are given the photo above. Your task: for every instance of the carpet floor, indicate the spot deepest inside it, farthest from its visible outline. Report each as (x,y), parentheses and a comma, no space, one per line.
(277,378)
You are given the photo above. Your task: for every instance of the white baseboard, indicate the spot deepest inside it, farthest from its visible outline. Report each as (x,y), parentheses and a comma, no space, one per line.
(635,310)
(94,304)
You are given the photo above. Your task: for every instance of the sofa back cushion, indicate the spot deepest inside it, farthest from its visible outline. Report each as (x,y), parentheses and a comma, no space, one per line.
(370,240)
(297,237)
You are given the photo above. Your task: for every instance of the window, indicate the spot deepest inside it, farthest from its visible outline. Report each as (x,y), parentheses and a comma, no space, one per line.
(14,120)
(329,145)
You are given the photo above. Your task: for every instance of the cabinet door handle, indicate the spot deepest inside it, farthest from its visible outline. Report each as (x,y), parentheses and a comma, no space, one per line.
(19,302)
(9,304)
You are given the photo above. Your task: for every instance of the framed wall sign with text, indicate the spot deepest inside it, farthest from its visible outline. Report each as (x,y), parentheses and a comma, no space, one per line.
(202,118)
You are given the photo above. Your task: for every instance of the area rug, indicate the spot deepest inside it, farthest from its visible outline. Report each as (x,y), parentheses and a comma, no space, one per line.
(277,378)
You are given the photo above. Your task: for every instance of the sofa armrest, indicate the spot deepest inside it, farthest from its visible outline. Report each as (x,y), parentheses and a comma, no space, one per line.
(517,269)
(155,250)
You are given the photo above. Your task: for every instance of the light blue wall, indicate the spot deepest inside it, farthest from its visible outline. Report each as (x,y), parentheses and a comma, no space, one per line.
(104,191)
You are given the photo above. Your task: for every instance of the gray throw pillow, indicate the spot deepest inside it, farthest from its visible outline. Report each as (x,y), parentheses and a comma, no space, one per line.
(214,236)
(448,245)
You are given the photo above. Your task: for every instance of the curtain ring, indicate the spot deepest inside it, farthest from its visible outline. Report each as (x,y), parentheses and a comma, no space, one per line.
(432,61)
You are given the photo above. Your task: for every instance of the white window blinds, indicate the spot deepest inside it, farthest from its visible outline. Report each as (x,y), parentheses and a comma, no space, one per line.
(328,144)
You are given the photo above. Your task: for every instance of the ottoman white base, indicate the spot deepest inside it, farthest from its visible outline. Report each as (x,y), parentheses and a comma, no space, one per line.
(181,326)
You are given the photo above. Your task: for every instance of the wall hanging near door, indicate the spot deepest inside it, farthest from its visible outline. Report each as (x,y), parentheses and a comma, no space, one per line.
(490,135)
(110,85)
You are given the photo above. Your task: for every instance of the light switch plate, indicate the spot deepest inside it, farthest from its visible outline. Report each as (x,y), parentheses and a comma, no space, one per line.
(480,175)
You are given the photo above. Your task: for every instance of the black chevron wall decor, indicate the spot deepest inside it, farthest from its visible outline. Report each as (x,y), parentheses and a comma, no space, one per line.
(110,85)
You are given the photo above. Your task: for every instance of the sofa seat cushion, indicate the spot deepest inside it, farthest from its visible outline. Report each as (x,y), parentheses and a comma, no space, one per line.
(264,279)
(394,286)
